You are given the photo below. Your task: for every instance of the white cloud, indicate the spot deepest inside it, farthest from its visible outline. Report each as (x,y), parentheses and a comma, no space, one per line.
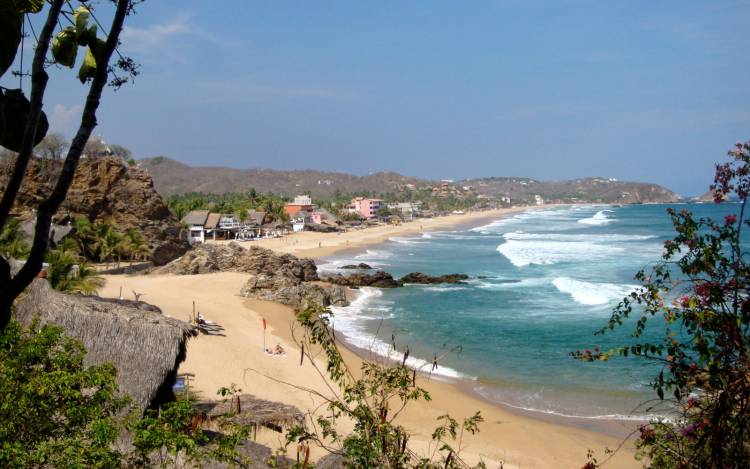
(158,41)
(63,118)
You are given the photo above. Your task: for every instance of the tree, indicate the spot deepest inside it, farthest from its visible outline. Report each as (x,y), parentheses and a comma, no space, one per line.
(372,401)
(701,289)
(52,147)
(61,413)
(67,271)
(120,151)
(27,124)
(12,242)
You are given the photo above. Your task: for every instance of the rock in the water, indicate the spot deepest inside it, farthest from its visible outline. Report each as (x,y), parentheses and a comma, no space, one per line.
(424,279)
(379,279)
(360,266)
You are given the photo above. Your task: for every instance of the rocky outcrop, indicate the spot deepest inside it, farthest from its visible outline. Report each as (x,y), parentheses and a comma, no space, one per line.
(382,279)
(283,278)
(208,258)
(360,266)
(423,279)
(104,188)
(379,279)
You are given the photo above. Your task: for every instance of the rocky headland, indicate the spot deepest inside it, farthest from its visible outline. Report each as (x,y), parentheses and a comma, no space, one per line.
(283,278)
(104,188)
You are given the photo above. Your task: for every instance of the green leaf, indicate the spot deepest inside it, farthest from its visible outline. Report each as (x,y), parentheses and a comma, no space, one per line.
(88,67)
(65,47)
(10,35)
(81,19)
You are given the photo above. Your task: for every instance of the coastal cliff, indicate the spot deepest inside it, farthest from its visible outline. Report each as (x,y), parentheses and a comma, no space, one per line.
(104,188)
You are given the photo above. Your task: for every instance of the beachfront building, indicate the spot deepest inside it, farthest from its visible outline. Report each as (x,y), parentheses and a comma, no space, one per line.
(365,207)
(407,209)
(301,219)
(300,203)
(196,225)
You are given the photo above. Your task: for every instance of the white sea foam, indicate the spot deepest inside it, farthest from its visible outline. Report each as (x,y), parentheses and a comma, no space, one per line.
(589,293)
(349,321)
(600,218)
(445,288)
(523,253)
(426,235)
(405,240)
(626,417)
(372,254)
(609,238)
(504,284)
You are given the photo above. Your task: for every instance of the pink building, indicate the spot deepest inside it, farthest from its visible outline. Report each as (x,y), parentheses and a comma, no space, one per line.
(365,207)
(317,217)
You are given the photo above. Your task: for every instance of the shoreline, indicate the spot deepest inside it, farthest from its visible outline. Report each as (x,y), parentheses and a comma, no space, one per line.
(317,246)
(236,355)
(618,428)
(509,436)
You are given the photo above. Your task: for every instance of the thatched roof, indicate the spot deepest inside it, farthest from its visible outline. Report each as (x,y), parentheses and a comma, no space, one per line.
(255,411)
(145,346)
(195,217)
(212,221)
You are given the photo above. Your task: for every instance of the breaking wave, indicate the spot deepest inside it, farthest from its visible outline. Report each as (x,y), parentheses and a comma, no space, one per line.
(589,293)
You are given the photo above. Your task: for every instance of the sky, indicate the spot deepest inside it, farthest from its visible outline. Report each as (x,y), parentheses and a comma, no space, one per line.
(653,91)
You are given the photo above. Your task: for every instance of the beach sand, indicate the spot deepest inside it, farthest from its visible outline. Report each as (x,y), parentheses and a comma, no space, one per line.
(516,440)
(319,245)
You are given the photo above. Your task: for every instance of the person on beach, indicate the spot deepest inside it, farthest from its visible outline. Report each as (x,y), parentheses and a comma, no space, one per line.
(201,320)
(278,350)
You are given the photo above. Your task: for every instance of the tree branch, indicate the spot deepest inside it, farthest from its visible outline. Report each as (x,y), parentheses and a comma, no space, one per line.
(39,79)
(49,206)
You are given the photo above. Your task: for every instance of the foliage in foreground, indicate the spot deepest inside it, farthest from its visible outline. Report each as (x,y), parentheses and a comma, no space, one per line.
(55,412)
(702,290)
(373,401)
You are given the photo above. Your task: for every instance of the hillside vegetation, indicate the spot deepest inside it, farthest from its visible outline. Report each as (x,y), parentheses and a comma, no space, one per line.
(173,177)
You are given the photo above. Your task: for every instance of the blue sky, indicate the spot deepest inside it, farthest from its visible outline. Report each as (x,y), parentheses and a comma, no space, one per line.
(641,90)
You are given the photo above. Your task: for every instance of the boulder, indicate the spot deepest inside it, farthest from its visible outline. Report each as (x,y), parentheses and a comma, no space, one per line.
(360,266)
(379,279)
(207,258)
(424,279)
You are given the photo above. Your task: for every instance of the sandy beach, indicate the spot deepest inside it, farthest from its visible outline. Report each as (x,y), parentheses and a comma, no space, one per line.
(319,245)
(237,356)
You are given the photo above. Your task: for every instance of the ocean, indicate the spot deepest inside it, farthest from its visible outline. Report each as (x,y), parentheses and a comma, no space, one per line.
(542,282)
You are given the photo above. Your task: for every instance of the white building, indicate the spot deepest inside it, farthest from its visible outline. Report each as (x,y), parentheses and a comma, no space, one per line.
(302,200)
(196,224)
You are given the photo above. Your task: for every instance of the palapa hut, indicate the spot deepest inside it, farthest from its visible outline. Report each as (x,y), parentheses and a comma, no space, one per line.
(254,411)
(145,346)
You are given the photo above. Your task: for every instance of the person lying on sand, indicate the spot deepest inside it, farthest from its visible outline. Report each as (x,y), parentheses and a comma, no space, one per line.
(278,350)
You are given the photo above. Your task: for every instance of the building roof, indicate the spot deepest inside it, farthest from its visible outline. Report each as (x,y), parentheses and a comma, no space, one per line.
(195,217)
(115,331)
(256,216)
(213,220)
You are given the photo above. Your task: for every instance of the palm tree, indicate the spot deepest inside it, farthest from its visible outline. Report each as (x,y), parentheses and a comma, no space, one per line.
(12,243)
(135,245)
(84,235)
(69,272)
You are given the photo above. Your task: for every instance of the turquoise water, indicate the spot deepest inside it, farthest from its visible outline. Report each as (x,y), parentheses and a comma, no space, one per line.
(542,283)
